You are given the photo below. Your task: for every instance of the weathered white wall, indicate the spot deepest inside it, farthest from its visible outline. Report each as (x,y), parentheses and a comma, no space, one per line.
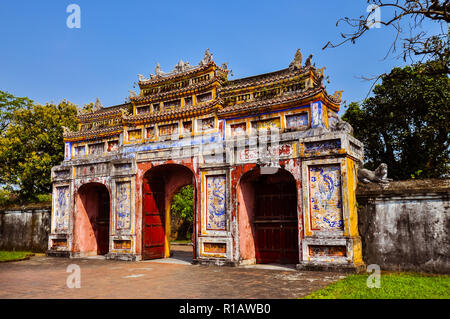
(25,228)
(406,225)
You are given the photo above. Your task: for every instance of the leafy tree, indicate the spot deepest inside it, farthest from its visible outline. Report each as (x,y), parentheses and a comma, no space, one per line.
(183,205)
(31,143)
(8,104)
(405,123)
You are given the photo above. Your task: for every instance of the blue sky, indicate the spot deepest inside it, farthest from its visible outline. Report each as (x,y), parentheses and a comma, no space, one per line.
(40,57)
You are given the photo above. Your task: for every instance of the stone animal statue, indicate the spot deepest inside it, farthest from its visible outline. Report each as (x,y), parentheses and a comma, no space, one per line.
(338,124)
(377,176)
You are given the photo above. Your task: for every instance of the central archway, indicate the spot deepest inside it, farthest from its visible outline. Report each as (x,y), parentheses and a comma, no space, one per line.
(268,222)
(160,184)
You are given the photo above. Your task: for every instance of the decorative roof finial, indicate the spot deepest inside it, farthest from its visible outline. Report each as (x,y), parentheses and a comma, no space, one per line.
(296,64)
(141,78)
(97,106)
(66,130)
(338,94)
(206,58)
(308,61)
(158,71)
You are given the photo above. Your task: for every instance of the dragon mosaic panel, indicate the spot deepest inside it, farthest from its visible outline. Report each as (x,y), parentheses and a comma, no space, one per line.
(325,197)
(62,208)
(215,202)
(123,205)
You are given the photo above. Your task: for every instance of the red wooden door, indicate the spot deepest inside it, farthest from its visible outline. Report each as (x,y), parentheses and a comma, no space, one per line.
(275,223)
(153,219)
(102,223)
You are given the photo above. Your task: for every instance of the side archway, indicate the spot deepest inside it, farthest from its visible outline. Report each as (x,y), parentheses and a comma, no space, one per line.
(268,219)
(92,220)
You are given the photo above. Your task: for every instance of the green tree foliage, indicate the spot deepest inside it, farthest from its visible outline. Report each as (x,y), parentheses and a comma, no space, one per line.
(405,123)
(183,206)
(8,104)
(183,203)
(32,143)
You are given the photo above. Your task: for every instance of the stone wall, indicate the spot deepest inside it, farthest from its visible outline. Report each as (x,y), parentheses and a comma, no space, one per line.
(25,227)
(406,225)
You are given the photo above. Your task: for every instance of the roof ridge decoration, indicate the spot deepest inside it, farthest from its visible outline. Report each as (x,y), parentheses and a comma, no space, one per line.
(97,106)
(175,113)
(180,67)
(296,64)
(207,58)
(157,96)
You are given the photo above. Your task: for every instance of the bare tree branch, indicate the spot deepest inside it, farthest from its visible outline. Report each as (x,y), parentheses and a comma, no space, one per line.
(418,43)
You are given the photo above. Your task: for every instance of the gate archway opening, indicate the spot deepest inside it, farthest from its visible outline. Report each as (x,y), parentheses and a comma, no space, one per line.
(268,220)
(160,184)
(92,220)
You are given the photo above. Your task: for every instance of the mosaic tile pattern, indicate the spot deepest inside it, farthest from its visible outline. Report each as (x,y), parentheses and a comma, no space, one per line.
(215,202)
(325,197)
(322,145)
(67,148)
(215,248)
(238,129)
(317,115)
(334,251)
(168,129)
(297,120)
(62,208)
(123,205)
(134,135)
(267,124)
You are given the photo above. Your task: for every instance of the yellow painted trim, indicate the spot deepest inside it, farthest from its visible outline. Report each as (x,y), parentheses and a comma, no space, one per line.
(325,114)
(351,191)
(167,228)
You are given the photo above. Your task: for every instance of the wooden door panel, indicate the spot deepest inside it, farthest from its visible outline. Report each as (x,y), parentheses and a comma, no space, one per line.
(275,223)
(153,219)
(267,244)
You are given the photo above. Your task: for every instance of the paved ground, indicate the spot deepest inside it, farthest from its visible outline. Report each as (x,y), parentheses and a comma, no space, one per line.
(45,277)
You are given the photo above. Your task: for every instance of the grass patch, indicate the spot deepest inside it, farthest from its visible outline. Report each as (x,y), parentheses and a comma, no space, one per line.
(181,241)
(392,286)
(14,255)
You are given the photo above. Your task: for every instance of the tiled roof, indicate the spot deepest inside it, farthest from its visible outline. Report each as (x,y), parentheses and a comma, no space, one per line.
(104,111)
(158,96)
(267,104)
(111,130)
(262,79)
(165,78)
(175,113)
